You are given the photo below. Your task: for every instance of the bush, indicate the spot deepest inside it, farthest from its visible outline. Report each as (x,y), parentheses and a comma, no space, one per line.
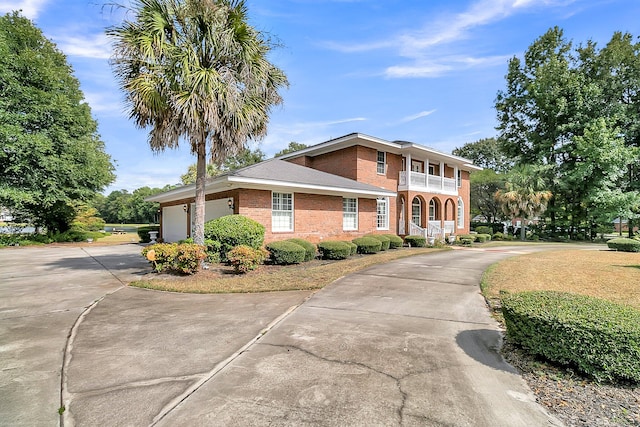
(143,232)
(394,241)
(466,242)
(285,252)
(483,237)
(386,242)
(498,236)
(231,231)
(354,248)
(309,248)
(368,245)
(598,337)
(335,249)
(182,258)
(471,237)
(244,258)
(416,241)
(624,244)
(483,229)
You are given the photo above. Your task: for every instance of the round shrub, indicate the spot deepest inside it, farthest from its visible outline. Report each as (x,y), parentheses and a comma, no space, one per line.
(624,244)
(483,237)
(471,237)
(498,236)
(600,338)
(184,258)
(386,241)
(244,258)
(368,245)
(285,252)
(394,241)
(335,249)
(233,230)
(309,248)
(416,241)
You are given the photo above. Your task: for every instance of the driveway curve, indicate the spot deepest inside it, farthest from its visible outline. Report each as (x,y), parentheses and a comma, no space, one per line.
(409,342)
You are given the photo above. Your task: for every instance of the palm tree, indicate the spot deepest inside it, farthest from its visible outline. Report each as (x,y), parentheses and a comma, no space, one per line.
(196,70)
(524,195)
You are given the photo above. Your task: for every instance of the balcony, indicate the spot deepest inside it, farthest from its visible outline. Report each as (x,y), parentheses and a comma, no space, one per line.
(417,181)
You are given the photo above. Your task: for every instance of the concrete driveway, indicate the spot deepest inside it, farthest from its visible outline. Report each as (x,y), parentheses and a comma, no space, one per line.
(404,343)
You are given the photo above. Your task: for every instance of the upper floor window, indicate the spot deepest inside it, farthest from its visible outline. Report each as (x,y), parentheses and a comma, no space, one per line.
(349,214)
(382,162)
(382,213)
(459,178)
(432,170)
(282,212)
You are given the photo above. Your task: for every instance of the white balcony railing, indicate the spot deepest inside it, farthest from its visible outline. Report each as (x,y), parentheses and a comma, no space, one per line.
(425,182)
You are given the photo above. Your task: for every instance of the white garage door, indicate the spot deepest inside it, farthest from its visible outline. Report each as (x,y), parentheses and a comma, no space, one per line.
(212,209)
(174,223)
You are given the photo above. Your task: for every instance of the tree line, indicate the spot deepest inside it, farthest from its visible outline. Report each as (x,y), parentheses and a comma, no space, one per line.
(568,138)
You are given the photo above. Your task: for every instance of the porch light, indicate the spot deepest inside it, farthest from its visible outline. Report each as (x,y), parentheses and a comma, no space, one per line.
(184,208)
(230,203)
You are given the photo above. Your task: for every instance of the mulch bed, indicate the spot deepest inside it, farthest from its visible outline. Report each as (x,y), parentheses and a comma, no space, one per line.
(577,401)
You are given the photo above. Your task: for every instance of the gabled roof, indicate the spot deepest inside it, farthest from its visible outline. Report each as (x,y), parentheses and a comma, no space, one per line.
(396,147)
(279,175)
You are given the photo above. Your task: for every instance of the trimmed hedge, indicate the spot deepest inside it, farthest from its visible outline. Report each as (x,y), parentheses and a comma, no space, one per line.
(309,248)
(244,258)
(624,244)
(394,241)
(368,245)
(335,249)
(471,237)
(416,241)
(598,337)
(483,237)
(386,241)
(353,246)
(231,231)
(285,252)
(183,258)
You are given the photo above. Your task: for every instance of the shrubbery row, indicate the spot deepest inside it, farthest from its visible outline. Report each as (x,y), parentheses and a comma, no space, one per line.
(598,337)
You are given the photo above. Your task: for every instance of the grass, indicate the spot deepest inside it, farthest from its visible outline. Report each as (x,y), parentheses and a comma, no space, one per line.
(310,275)
(609,275)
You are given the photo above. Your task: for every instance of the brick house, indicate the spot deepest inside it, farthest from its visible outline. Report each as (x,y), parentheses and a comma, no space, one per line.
(339,189)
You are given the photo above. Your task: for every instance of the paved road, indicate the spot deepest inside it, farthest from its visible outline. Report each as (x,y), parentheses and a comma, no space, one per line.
(404,343)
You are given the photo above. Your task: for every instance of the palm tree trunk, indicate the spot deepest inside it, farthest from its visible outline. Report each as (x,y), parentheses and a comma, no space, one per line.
(201,176)
(523,231)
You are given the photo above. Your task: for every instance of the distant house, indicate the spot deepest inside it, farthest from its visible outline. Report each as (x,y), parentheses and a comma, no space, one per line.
(5,215)
(338,189)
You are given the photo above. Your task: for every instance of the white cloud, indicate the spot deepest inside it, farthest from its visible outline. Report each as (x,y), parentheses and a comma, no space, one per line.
(417,116)
(95,46)
(30,8)
(447,29)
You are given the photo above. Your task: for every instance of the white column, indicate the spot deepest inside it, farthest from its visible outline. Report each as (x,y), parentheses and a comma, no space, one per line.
(442,176)
(426,173)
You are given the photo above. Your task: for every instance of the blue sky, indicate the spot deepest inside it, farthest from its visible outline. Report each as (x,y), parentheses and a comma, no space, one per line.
(425,71)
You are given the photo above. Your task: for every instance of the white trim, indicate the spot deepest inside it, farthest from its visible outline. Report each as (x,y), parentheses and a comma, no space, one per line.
(384,162)
(460,219)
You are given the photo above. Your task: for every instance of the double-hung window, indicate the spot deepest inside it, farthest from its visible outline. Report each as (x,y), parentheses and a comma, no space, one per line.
(382,213)
(459,178)
(381,163)
(349,214)
(282,212)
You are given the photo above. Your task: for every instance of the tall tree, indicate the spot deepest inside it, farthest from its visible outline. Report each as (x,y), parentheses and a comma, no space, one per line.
(293,146)
(50,153)
(484,185)
(486,153)
(196,69)
(525,195)
(190,176)
(246,157)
